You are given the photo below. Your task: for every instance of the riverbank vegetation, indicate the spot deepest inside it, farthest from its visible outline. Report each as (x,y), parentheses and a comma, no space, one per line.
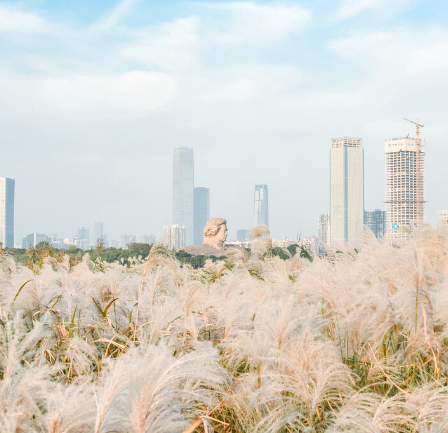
(348,342)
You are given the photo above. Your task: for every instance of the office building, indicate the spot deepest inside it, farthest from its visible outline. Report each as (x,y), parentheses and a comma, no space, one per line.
(242,235)
(126,240)
(403,209)
(34,239)
(7,187)
(442,219)
(261,205)
(201,213)
(346,191)
(323,228)
(174,236)
(98,232)
(376,221)
(183,191)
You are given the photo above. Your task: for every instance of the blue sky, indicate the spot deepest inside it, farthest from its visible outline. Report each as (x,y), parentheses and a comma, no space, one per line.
(94,96)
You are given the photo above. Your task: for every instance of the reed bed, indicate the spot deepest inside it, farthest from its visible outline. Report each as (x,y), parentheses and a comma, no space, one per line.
(348,342)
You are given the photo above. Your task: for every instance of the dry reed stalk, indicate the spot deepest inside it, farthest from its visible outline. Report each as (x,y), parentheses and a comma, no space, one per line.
(193,426)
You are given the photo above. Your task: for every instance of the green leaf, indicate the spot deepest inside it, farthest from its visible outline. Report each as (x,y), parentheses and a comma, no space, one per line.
(18,293)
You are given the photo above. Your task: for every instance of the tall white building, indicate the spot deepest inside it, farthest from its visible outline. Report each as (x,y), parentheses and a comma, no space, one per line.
(442,218)
(7,190)
(183,191)
(174,236)
(346,190)
(402,210)
(261,205)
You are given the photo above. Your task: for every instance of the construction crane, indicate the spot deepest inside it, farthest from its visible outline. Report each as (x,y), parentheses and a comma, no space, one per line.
(418,126)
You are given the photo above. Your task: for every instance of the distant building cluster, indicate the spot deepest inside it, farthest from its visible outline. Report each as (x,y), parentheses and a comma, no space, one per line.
(191,205)
(405,193)
(174,236)
(405,200)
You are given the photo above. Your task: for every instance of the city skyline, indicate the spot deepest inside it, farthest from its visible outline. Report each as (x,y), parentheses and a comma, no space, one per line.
(110,89)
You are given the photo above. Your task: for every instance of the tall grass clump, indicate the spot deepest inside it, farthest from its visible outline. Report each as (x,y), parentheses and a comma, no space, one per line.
(347,342)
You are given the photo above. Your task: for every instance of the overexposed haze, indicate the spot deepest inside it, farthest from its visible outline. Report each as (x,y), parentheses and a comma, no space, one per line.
(94,97)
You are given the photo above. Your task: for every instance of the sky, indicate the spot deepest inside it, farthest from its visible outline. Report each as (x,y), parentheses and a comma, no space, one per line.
(94,97)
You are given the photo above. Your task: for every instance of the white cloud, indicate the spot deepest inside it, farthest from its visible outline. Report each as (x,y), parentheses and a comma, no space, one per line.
(350,8)
(169,45)
(111,19)
(400,52)
(249,22)
(236,92)
(18,21)
(134,91)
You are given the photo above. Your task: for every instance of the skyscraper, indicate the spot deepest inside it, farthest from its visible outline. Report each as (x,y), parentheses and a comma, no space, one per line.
(376,221)
(98,232)
(201,212)
(346,190)
(7,187)
(261,205)
(401,187)
(183,191)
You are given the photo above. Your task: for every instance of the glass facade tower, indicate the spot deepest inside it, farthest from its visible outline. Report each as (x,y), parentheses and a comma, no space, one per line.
(7,187)
(346,191)
(183,191)
(201,213)
(376,221)
(261,205)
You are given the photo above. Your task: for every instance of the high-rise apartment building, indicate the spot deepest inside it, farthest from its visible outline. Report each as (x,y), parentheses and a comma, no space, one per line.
(402,210)
(346,190)
(7,187)
(183,191)
(242,235)
(201,213)
(261,205)
(174,236)
(98,232)
(323,227)
(442,219)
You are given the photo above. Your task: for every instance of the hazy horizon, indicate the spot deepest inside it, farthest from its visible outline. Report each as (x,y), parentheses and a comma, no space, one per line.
(94,97)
